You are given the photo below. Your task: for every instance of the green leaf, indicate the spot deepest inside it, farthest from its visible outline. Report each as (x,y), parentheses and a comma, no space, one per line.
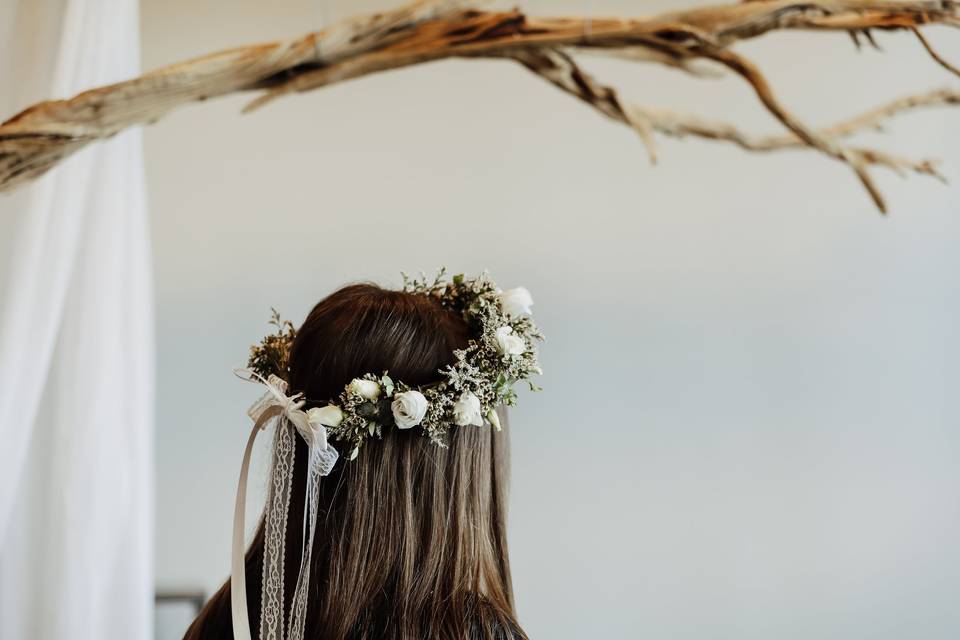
(388,385)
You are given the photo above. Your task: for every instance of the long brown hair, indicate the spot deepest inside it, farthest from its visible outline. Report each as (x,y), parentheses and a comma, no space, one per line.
(411,538)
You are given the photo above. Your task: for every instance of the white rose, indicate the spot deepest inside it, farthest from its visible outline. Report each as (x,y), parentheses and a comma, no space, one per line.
(516,302)
(328,416)
(466,410)
(367,389)
(509,343)
(409,408)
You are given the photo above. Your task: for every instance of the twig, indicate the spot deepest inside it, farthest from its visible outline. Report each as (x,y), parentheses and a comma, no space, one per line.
(676,124)
(933,54)
(562,71)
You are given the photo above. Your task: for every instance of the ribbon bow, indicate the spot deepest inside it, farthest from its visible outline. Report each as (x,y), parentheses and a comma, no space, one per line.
(276,401)
(320,460)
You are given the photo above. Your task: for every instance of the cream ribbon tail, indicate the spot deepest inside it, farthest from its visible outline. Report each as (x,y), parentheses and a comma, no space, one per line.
(321,459)
(238,569)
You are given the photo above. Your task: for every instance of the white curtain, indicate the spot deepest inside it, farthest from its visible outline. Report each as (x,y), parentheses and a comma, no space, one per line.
(76,350)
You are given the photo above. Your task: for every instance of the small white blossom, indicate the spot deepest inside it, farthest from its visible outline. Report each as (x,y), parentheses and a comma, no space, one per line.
(508,342)
(466,410)
(409,408)
(516,302)
(366,389)
(328,416)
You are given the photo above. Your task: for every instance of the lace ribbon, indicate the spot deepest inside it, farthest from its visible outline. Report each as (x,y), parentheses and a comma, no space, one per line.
(320,460)
(275,532)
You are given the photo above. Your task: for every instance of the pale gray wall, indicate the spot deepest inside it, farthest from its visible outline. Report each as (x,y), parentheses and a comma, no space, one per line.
(750,428)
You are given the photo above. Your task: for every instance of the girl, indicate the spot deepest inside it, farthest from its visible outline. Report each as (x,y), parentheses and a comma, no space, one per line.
(410,540)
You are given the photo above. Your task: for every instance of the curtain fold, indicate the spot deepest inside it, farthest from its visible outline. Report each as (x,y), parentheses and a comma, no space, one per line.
(76,366)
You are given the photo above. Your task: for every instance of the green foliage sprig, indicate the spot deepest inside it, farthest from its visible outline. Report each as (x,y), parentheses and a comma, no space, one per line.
(272,355)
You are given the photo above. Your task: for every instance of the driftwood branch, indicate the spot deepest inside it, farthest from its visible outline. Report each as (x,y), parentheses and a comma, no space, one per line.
(39,137)
(561,70)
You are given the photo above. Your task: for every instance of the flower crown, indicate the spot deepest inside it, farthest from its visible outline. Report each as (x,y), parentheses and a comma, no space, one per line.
(501,352)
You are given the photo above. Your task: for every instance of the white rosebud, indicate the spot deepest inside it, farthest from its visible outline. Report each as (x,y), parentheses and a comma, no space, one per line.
(328,416)
(516,302)
(409,408)
(494,419)
(466,410)
(509,343)
(367,389)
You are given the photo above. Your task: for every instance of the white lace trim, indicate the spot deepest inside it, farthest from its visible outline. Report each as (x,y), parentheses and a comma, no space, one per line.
(319,464)
(275,532)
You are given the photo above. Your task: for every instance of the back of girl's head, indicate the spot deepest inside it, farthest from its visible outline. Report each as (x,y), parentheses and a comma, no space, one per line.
(363,328)
(411,537)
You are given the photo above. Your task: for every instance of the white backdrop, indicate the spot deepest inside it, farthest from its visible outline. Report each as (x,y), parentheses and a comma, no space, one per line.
(76,349)
(754,372)
(750,428)
(783,464)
